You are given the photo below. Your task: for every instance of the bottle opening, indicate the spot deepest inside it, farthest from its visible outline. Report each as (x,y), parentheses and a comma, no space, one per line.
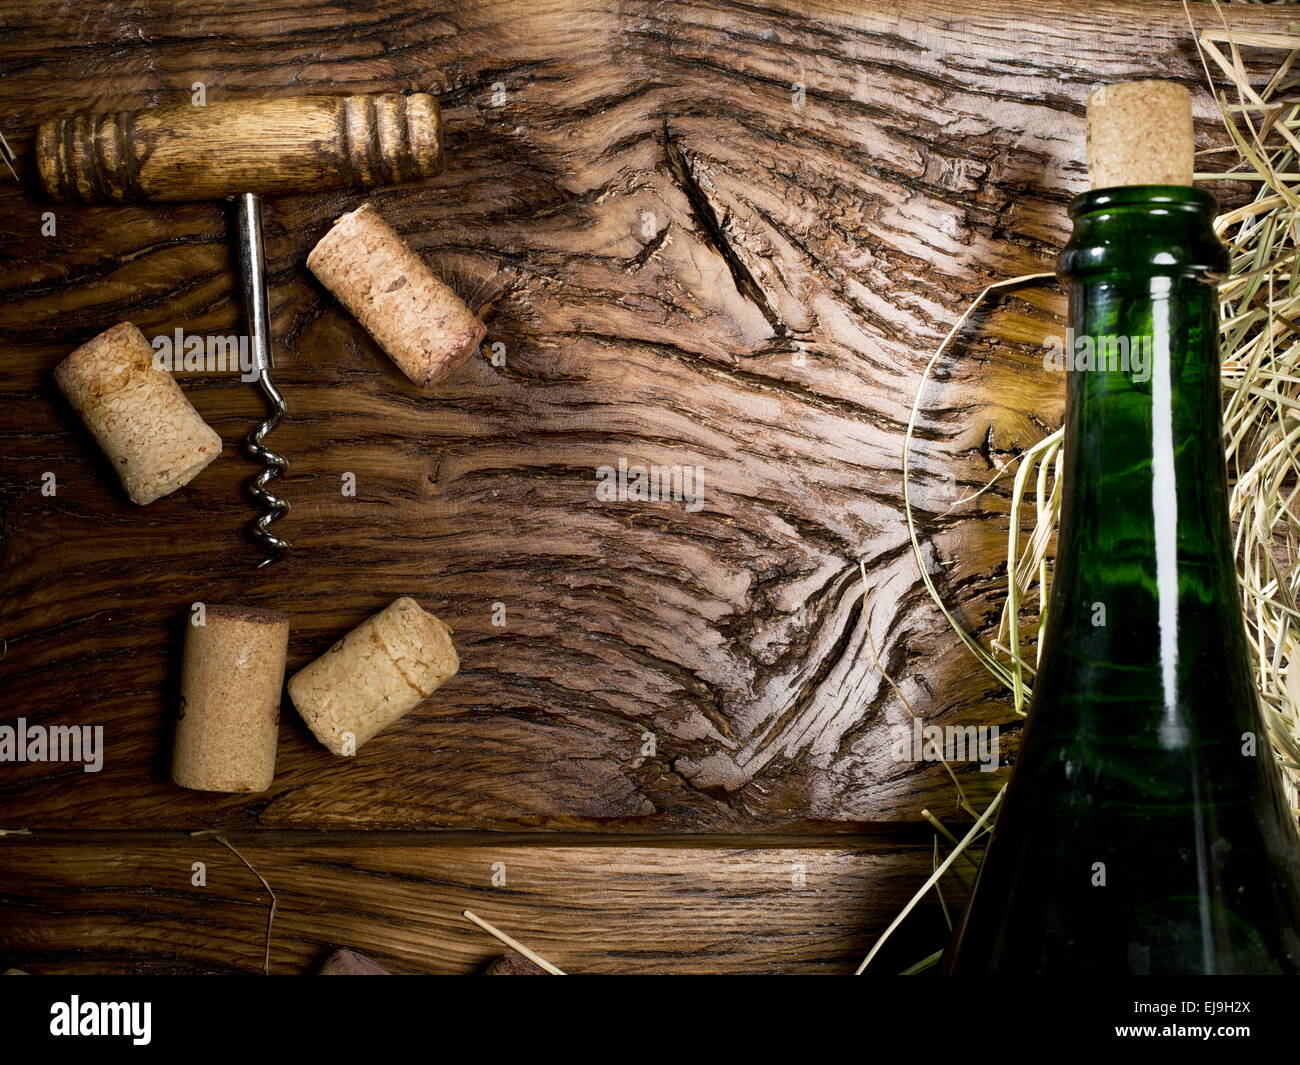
(1121,196)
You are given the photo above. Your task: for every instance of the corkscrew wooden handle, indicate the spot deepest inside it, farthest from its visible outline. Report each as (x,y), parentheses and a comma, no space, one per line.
(290,144)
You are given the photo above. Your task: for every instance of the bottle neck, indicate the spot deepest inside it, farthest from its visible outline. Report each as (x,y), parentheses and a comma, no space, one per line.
(1143,436)
(1144,561)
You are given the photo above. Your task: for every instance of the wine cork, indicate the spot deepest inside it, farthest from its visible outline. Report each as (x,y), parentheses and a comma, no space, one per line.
(151,433)
(512,964)
(230,699)
(420,323)
(1140,133)
(376,674)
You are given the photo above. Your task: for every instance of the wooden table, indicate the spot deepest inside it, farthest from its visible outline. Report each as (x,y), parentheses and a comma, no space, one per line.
(715,235)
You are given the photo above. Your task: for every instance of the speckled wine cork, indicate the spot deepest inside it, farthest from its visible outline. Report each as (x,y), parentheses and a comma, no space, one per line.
(421,323)
(139,416)
(1140,133)
(378,672)
(230,699)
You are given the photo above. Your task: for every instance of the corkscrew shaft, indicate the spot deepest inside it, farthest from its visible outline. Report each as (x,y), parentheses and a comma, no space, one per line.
(252,259)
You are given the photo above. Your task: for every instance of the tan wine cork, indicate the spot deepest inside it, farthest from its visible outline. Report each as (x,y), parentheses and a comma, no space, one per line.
(139,416)
(1140,133)
(421,323)
(377,673)
(230,699)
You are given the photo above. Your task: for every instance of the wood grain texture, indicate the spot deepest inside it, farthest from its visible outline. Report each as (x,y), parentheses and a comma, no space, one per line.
(128,905)
(719,235)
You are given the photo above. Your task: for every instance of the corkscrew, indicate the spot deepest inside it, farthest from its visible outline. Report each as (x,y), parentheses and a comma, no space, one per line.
(243,149)
(252,263)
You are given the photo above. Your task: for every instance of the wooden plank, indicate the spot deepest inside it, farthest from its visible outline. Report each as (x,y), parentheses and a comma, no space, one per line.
(690,260)
(128,905)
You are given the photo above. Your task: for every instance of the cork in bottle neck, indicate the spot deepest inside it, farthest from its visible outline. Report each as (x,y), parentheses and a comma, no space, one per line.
(1140,133)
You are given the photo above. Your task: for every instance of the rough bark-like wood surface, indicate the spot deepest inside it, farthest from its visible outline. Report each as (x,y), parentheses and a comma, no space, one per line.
(719,235)
(130,905)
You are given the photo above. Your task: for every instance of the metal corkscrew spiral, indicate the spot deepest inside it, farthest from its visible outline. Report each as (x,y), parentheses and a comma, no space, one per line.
(252,260)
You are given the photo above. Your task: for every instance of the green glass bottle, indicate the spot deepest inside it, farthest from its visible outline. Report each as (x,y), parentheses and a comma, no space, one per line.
(1145,829)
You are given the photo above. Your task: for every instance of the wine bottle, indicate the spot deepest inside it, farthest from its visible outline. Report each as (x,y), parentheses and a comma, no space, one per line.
(1145,829)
